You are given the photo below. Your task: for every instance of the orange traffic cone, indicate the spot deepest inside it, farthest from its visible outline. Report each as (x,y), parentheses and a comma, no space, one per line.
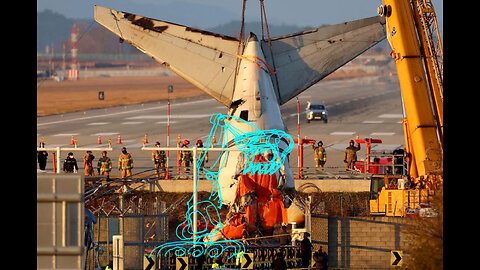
(72,141)
(119,140)
(145,139)
(99,140)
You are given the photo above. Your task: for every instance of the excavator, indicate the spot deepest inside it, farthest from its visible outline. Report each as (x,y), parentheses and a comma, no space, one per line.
(413,34)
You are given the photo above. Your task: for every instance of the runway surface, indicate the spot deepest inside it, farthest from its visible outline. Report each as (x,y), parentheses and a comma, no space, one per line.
(367,107)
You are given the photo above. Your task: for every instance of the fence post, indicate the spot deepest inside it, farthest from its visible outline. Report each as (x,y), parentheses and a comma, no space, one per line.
(118,258)
(58,160)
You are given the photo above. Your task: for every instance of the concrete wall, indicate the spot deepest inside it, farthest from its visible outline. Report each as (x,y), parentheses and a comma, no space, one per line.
(359,242)
(325,185)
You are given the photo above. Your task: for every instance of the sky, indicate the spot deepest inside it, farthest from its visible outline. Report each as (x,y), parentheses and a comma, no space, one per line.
(209,13)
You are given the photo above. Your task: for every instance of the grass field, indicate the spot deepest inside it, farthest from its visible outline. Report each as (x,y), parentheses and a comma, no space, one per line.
(67,96)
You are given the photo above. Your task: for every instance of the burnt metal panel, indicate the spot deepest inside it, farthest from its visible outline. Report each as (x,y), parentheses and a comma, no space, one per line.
(304,58)
(205,59)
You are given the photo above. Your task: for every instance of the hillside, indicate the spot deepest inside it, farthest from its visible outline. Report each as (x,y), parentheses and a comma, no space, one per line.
(54,28)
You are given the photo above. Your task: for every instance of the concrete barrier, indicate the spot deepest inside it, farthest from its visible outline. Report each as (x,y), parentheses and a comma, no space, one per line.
(325,185)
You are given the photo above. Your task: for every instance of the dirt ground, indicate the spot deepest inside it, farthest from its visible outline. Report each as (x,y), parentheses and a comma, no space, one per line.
(66,96)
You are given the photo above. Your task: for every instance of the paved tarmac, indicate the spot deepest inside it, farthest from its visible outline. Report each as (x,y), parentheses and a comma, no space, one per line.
(367,107)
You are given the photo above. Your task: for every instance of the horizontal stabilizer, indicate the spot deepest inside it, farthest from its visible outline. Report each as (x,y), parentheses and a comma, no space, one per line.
(302,59)
(205,59)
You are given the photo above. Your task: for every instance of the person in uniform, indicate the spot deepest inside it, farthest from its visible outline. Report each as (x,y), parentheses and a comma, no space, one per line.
(70,164)
(200,146)
(42,158)
(350,155)
(186,156)
(321,259)
(125,163)
(159,158)
(320,155)
(306,250)
(104,165)
(88,163)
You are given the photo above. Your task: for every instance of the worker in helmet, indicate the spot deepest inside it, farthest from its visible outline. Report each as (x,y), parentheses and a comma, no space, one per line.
(104,165)
(125,163)
(159,158)
(218,263)
(88,163)
(186,156)
(320,155)
(350,155)
(200,146)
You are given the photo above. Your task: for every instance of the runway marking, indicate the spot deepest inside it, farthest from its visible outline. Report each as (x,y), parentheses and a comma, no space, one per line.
(382,133)
(337,146)
(372,122)
(98,123)
(388,115)
(66,134)
(295,114)
(105,134)
(185,116)
(342,133)
(165,122)
(134,146)
(124,112)
(132,123)
(105,145)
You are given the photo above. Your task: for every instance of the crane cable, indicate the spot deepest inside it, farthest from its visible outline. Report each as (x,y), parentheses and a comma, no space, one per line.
(263,15)
(240,44)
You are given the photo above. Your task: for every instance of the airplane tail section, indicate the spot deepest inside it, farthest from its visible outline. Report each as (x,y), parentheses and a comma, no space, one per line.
(205,59)
(302,59)
(209,60)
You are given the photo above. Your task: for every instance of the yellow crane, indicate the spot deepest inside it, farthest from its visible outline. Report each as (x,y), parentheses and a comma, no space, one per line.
(413,35)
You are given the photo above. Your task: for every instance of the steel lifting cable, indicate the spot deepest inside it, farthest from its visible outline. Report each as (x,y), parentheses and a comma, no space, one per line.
(240,44)
(263,14)
(247,57)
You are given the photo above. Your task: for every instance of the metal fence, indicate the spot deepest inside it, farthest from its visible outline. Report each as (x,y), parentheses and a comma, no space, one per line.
(262,258)
(140,233)
(144,167)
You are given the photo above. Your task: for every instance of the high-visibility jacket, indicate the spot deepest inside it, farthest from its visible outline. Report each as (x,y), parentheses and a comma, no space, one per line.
(216,266)
(125,161)
(319,153)
(88,161)
(187,156)
(159,156)
(206,155)
(351,153)
(105,164)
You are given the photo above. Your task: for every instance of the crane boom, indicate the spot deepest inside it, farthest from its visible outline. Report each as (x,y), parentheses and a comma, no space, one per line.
(421,113)
(412,33)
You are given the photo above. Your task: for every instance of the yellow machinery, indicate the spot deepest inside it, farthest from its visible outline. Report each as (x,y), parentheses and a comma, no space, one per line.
(412,32)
